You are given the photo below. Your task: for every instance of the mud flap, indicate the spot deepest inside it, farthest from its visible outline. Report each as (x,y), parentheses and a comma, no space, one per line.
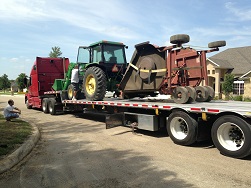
(114,120)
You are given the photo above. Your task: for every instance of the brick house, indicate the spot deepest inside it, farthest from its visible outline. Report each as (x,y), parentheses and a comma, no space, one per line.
(233,60)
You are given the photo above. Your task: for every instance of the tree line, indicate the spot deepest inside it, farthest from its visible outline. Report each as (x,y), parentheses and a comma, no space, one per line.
(5,83)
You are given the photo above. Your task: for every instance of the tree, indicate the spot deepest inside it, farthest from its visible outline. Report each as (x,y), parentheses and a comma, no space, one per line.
(20,81)
(227,85)
(55,52)
(4,82)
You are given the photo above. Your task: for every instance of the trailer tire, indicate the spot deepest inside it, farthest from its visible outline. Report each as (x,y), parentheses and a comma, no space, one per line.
(231,136)
(179,39)
(51,106)
(182,128)
(94,84)
(217,44)
(45,105)
(70,91)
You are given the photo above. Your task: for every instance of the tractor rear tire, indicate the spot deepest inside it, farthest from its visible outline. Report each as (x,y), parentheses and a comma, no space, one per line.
(179,39)
(217,44)
(94,84)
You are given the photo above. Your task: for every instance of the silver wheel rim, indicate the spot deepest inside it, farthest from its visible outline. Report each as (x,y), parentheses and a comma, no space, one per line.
(179,128)
(230,136)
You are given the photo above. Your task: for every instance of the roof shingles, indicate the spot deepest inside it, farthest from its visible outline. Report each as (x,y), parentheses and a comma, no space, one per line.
(237,58)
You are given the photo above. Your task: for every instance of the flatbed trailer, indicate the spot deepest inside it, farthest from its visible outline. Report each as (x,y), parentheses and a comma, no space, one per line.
(227,123)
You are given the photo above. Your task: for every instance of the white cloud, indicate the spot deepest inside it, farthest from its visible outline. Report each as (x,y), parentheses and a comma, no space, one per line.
(242,14)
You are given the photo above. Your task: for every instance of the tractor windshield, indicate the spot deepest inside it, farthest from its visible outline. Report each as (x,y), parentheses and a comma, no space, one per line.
(114,54)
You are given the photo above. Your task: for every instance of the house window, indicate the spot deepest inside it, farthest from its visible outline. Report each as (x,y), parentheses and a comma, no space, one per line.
(238,88)
(208,71)
(213,71)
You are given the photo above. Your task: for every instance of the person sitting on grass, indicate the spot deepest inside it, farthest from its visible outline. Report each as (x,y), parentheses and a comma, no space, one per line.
(10,111)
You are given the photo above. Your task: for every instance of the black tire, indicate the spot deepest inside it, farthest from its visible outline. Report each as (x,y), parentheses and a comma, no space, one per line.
(52,106)
(217,44)
(94,84)
(191,93)
(231,136)
(211,93)
(70,91)
(179,39)
(27,104)
(202,94)
(45,105)
(180,95)
(182,128)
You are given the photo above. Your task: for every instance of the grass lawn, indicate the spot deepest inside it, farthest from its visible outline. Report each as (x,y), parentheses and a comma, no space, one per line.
(12,134)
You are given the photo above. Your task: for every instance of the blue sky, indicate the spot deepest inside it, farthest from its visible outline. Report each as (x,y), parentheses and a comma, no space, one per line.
(29,28)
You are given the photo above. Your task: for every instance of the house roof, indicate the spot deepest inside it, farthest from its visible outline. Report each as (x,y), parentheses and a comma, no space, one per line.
(237,58)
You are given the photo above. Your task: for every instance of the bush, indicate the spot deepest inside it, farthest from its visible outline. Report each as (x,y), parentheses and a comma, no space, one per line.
(247,99)
(238,98)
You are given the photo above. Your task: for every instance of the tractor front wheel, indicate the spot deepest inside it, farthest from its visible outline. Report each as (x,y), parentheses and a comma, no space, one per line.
(94,84)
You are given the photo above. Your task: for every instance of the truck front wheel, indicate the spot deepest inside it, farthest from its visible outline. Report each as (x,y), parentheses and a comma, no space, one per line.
(182,128)
(94,84)
(231,136)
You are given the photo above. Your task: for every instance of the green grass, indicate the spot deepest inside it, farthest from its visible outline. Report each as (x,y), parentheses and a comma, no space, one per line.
(12,134)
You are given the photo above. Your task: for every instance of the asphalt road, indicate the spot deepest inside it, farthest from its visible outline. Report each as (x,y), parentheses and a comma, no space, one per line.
(78,152)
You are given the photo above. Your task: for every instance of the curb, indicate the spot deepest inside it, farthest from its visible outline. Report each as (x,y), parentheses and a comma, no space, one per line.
(15,157)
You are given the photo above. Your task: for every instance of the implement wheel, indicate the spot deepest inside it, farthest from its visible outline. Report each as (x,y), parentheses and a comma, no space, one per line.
(182,128)
(211,93)
(231,136)
(216,44)
(202,94)
(94,84)
(191,93)
(179,39)
(180,95)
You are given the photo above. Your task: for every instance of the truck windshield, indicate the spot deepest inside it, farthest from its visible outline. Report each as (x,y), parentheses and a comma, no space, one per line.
(114,54)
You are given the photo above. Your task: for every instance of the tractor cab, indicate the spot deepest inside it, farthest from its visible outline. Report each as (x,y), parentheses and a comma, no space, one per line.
(106,56)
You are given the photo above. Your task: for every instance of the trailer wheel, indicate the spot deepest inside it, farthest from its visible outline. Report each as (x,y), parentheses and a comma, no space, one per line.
(94,83)
(202,94)
(217,44)
(191,94)
(27,104)
(211,93)
(182,128)
(231,136)
(70,91)
(45,105)
(51,106)
(179,39)
(180,95)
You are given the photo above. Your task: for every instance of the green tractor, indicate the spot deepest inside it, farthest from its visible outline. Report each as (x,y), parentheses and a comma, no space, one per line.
(101,68)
